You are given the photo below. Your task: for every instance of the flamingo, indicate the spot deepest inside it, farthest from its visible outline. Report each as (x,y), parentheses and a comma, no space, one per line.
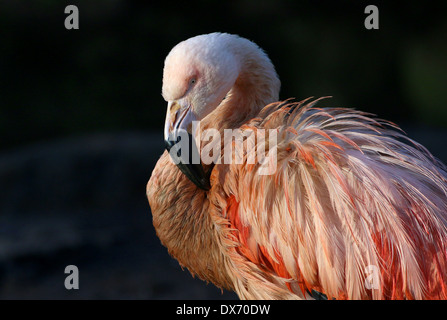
(354,210)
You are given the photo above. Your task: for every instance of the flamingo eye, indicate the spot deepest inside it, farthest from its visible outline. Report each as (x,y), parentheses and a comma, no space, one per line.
(192,81)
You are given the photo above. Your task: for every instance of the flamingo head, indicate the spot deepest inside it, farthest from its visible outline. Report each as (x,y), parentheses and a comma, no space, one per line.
(197,75)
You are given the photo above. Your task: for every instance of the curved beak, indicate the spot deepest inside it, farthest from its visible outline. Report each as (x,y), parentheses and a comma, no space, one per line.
(181,145)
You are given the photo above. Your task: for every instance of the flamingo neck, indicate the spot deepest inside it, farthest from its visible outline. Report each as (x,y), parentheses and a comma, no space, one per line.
(256,86)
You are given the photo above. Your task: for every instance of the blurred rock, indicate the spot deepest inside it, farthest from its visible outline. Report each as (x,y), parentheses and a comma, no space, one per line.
(82,201)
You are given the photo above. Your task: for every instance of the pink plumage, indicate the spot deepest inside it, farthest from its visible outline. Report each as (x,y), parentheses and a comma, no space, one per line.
(353,210)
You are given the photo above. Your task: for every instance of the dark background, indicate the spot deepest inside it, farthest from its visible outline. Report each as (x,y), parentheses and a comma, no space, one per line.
(81,118)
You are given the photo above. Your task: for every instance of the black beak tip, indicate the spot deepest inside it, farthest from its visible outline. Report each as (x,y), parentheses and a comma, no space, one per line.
(193,171)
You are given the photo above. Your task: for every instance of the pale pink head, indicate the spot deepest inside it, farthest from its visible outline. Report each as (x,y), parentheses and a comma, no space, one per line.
(201,71)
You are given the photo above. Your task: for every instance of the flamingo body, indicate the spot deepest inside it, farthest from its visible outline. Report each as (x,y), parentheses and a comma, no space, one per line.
(354,210)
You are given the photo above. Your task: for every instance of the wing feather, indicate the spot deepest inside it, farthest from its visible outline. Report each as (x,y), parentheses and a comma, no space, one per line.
(350,194)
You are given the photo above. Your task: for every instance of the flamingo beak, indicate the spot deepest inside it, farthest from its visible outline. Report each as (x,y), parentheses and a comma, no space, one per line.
(181,145)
